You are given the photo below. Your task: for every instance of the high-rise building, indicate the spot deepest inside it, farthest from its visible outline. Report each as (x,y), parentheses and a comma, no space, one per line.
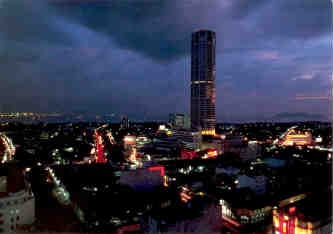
(124,122)
(180,121)
(203,81)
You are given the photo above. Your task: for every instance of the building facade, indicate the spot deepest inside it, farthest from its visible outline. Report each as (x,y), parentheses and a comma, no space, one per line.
(180,121)
(203,73)
(124,122)
(188,139)
(17,202)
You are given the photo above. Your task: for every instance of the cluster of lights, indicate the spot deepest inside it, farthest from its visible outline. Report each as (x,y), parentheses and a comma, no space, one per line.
(208,132)
(99,149)
(158,168)
(129,140)
(185,194)
(8,148)
(60,190)
(211,153)
(288,223)
(111,139)
(26,114)
(291,137)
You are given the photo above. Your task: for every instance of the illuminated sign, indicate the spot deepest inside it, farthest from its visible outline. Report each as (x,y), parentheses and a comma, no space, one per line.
(129,140)
(208,132)
(162,127)
(287,223)
(158,168)
(165,181)
(319,140)
(211,153)
(284,227)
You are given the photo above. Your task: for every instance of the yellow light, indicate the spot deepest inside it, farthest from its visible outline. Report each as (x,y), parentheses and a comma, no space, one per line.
(299,230)
(162,127)
(208,132)
(309,226)
(284,227)
(276,221)
(165,181)
(133,155)
(129,139)
(212,153)
(286,217)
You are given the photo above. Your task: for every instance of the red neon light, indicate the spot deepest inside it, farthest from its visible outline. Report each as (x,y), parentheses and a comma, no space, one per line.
(292,210)
(188,154)
(231,221)
(231,227)
(129,228)
(99,157)
(158,168)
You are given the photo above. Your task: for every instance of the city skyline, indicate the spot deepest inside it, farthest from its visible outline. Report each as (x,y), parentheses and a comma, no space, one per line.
(134,58)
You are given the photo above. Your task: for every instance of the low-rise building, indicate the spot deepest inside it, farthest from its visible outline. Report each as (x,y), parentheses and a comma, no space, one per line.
(188,139)
(195,216)
(257,184)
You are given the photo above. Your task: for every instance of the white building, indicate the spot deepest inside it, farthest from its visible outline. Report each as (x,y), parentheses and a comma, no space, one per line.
(189,139)
(16,209)
(17,203)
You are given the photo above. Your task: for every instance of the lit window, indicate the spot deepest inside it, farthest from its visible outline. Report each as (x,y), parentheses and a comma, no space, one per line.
(284,227)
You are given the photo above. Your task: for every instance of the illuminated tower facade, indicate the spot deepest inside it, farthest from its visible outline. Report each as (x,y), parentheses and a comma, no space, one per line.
(203,73)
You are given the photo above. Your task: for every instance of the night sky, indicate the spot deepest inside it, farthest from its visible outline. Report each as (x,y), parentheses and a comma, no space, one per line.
(274,57)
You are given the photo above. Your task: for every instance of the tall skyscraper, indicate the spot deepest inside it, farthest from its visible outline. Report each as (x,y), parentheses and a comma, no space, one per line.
(203,81)
(124,122)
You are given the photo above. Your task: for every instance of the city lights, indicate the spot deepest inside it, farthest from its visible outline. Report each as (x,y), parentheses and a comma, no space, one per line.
(165,129)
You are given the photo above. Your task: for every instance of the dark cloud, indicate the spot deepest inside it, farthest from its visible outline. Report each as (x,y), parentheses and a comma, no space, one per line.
(241,9)
(29,21)
(300,19)
(158,29)
(161,29)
